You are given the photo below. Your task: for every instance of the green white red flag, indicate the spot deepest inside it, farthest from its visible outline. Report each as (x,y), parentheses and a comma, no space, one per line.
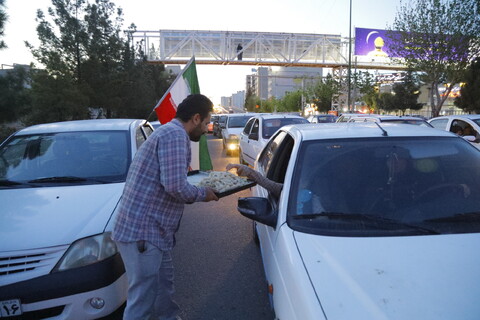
(185,84)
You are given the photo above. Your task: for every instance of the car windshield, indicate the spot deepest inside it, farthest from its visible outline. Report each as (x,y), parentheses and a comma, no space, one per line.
(238,122)
(270,126)
(326,118)
(388,186)
(72,157)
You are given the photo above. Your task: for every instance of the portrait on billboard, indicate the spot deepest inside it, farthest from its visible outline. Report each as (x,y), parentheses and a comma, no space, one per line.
(371,43)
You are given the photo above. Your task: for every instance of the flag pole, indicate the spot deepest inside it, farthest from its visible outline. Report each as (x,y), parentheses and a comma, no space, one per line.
(171,86)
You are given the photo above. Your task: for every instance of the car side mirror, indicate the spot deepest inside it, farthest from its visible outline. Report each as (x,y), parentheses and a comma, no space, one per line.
(258,209)
(253,136)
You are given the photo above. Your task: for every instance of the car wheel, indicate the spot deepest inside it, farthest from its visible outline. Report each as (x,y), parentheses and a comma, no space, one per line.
(255,234)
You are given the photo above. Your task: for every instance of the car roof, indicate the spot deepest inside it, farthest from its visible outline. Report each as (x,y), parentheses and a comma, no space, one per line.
(459,116)
(241,114)
(361,130)
(81,125)
(278,115)
(387,117)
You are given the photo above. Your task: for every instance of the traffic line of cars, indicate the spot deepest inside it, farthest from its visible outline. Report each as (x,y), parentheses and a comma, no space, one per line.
(60,184)
(377,219)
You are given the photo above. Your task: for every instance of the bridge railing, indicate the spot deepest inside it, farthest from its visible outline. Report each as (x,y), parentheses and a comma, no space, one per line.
(222,47)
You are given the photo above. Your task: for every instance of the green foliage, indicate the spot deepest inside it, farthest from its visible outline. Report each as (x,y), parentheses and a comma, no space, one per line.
(438,38)
(56,98)
(368,88)
(3,19)
(291,102)
(469,99)
(250,100)
(386,101)
(321,94)
(406,94)
(89,64)
(14,94)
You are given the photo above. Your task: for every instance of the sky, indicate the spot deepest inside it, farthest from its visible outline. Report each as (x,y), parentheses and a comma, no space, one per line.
(299,16)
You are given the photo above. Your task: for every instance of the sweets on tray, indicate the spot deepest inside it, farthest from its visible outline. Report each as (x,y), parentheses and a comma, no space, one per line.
(222,181)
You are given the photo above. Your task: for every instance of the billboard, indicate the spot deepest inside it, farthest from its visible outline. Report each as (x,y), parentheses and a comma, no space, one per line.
(371,43)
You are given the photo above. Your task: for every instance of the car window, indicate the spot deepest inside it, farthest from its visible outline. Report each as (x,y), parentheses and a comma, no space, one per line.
(248,126)
(394,183)
(147,130)
(270,126)
(255,126)
(266,156)
(439,123)
(237,122)
(139,137)
(93,155)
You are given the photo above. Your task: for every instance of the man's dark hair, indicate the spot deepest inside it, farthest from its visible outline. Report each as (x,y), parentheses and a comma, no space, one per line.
(193,104)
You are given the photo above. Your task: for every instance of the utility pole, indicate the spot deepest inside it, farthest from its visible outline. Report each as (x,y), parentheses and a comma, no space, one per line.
(349,72)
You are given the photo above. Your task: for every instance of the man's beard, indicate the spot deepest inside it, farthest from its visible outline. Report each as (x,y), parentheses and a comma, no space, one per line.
(196,134)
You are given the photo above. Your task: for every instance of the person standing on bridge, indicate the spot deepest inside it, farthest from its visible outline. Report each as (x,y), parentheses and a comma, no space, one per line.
(152,205)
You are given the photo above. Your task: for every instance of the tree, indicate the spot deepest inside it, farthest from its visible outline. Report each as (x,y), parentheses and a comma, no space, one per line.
(321,94)
(469,99)
(14,93)
(368,87)
(89,64)
(3,19)
(386,102)
(437,38)
(406,94)
(291,102)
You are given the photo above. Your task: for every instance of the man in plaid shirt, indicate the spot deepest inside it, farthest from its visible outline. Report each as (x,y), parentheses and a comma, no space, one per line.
(152,204)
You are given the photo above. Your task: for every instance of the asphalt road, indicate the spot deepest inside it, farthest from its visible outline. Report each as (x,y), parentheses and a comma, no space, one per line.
(218,268)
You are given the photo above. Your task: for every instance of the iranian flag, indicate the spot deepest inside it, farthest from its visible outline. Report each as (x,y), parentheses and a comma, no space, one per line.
(185,84)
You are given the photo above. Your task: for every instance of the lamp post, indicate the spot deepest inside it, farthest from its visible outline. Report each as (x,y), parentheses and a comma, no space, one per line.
(349,72)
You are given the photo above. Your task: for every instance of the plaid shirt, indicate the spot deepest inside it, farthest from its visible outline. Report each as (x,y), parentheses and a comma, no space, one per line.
(156,189)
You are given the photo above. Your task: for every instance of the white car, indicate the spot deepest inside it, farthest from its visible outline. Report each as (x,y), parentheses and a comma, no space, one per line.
(60,184)
(231,129)
(373,222)
(391,119)
(258,131)
(465,125)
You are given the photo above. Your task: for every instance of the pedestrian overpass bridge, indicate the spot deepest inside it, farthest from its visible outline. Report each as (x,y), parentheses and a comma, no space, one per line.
(252,48)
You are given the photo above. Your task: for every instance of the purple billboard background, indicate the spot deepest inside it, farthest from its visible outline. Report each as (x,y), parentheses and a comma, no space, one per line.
(365,42)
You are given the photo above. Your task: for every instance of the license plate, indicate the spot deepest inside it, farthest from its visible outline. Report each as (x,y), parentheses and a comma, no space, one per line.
(10,308)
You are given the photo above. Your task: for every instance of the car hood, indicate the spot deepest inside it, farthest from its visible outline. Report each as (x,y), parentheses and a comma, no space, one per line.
(51,216)
(422,277)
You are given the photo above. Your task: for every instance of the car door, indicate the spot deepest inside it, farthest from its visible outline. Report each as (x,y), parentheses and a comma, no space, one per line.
(251,149)
(273,163)
(244,141)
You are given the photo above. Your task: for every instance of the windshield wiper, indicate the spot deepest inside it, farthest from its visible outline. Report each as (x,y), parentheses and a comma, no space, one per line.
(58,179)
(360,216)
(10,183)
(460,217)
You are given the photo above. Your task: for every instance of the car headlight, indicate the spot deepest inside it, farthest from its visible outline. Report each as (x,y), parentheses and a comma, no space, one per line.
(87,251)
(233,136)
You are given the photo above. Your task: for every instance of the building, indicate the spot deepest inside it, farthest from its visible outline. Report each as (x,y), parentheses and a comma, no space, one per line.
(275,82)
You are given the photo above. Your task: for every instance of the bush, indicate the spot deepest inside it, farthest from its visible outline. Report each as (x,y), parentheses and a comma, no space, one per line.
(6,131)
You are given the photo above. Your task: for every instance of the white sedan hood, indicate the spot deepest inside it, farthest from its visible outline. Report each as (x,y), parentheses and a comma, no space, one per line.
(52,216)
(422,277)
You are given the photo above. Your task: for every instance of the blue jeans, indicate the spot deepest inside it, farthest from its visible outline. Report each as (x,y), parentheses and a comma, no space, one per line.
(150,282)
